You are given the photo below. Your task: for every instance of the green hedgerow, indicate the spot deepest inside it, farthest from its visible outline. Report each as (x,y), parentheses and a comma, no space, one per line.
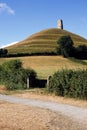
(69,83)
(14,76)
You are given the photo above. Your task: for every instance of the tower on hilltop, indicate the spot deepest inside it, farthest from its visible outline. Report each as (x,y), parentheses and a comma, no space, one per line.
(60,24)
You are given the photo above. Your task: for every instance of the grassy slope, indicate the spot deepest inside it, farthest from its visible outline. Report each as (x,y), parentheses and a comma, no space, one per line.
(44,41)
(47,65)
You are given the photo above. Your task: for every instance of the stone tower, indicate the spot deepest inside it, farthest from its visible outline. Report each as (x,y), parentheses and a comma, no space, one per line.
(60,24)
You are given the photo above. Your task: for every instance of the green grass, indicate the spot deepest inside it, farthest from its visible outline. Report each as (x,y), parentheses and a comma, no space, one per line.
(47,65)
(44,41)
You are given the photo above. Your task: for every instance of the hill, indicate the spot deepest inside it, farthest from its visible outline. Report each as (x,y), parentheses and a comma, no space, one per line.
(44,42)
(48,65)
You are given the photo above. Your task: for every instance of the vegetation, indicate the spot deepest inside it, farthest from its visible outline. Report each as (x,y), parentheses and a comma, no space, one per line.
(48,65)
(13,75)
(81,52)
(65,46)
(43,42)
(69,83)
(3,52)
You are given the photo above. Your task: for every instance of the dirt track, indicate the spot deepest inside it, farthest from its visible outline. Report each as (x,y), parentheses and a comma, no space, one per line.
(69,113)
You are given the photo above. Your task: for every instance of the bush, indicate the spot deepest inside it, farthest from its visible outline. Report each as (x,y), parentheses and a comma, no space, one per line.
(69,83)
(81,52)
(14,76)
(1,74)
(65,47)
(3,52)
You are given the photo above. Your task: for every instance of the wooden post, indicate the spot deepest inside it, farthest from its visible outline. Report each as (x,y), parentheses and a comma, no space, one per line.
(48,81)
(28,83)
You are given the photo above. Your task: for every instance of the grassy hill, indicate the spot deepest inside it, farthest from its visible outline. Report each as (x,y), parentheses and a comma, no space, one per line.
(44,42)
(47,65)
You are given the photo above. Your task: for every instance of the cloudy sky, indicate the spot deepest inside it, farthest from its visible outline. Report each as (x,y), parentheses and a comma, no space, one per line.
(21,18)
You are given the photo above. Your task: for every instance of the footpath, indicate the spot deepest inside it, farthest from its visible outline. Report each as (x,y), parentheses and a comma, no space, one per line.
(76,113)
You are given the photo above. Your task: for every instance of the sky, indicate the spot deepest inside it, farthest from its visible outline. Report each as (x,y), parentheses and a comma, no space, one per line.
(21,18)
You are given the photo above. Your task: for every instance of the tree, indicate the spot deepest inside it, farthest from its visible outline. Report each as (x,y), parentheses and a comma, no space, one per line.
(81,52)
(3,52)
(65,47)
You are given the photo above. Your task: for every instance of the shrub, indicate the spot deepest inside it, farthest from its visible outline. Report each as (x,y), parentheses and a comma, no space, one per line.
(3,52)
(14,76)
(81,52)
(1,73)
(69,83)
(65,47)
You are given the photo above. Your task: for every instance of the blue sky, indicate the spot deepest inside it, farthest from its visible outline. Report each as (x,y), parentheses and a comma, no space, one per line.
(21,18)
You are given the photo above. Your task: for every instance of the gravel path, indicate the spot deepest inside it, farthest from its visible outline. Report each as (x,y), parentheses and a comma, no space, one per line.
(76,113)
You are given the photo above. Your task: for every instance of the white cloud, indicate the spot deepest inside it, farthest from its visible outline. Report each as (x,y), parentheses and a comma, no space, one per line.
(5,8)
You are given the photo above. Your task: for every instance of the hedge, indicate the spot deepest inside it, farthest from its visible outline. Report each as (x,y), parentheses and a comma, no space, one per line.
(14,76)
(69,83)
